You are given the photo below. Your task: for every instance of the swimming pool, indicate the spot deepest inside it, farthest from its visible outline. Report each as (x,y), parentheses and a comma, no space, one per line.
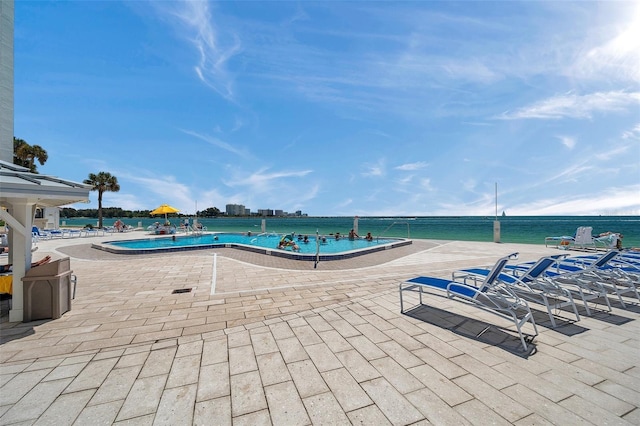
(267,243)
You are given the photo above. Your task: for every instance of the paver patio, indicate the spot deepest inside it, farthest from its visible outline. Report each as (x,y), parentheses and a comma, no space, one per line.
(282,343)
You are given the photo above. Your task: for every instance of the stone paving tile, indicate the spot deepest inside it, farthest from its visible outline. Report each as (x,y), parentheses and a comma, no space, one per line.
(132,359)
(259,418)
(98,415)
(158,362)
(272,369)
(214,381)
(307,335)
(176,406)
(116,386)
(20,384)
(345,329)
(144,397)
(401,355)
(263,343)
(372,333)
(285,405)
(392,404)
(633,417)
(359,368)
(247,393)
(307,378)
(92,375)
(478,413)
(399,377)
(534,382)
(588,393)
(619,391)
(215,351)
(65,409)
(35,402)
(591,412)
(184,371)
(601,373)
(502,402)
(446,389)
(554,413)
(448,368)
(65,371)
(322,357)
(218,409)
(242,359)
(334,341)
(435,409)
(366,347)
(324,409)
(146,420)
(346,390)
(292,350)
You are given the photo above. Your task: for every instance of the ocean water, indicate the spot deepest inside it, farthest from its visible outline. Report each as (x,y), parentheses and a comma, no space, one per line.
(513,229)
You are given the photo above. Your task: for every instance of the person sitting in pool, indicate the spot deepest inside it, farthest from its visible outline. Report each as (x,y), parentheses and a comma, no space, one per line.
(353,235)
(284,244)
(369,237)
(9,267)
(306,239)
(338,236)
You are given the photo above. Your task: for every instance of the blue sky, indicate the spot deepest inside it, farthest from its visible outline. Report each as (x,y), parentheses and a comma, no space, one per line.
(338,108)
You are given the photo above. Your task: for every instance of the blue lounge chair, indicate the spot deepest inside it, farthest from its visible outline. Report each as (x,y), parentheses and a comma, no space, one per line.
(619,278)
(491,296)
(529,282)
(39,234)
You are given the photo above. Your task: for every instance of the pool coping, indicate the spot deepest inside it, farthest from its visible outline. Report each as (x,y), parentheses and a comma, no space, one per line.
(398,242)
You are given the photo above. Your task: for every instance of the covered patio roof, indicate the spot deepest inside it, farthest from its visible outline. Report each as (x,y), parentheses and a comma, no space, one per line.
(20,193)
(18,183)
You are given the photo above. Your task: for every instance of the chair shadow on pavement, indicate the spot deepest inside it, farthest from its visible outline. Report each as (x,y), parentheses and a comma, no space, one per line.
(501,337)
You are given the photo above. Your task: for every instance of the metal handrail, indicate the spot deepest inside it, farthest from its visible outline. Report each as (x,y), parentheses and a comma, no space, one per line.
(396,223)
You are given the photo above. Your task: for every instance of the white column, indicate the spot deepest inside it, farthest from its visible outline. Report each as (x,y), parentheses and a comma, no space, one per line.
(20,247)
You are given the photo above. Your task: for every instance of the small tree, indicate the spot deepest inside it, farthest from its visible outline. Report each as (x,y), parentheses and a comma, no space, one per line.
(25,155)
(102,182)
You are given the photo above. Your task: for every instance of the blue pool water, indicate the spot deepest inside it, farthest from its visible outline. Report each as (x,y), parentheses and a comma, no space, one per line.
(267,241)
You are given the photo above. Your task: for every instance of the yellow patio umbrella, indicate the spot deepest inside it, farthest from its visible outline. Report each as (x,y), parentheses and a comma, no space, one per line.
(165,209)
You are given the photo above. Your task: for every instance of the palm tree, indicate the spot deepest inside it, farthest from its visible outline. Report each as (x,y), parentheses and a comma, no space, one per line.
(102,182)
(25,155)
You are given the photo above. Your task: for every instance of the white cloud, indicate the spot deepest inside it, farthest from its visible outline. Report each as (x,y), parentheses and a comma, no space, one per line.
(218,143)
(633,133)
(567,141)
(612,201)
(262,180)
(375,170)
(193,18)
(425,183)
(576,106)
(412,166)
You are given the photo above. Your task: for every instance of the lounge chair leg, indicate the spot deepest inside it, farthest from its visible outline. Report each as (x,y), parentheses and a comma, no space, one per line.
(483,331)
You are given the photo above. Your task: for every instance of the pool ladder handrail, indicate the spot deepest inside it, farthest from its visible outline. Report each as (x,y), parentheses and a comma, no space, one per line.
(390,226)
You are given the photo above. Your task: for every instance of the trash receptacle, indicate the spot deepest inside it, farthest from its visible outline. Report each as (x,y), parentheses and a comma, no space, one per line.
(47,290)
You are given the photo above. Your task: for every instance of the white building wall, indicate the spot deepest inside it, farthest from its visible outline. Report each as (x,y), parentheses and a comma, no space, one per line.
(6,80)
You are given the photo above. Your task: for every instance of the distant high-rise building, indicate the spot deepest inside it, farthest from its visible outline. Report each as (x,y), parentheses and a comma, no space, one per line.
(235,210)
